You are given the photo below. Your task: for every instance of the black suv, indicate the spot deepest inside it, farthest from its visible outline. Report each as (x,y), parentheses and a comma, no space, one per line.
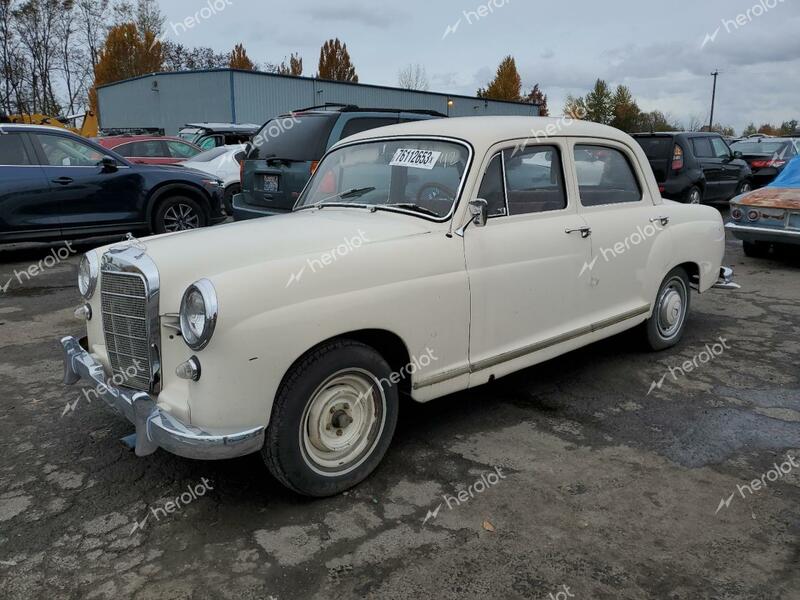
(694,167)
(283,155)
(56,185)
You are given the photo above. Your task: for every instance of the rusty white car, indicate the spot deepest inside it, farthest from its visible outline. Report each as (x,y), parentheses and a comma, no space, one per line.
(421,259)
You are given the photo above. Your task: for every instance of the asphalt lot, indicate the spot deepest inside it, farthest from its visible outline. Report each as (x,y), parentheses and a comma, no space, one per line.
(606,491)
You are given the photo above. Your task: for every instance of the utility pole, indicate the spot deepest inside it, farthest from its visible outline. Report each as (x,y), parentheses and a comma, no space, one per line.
(715,74)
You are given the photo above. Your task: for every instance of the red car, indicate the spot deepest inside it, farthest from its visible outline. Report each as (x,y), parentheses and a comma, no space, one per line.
(150,150)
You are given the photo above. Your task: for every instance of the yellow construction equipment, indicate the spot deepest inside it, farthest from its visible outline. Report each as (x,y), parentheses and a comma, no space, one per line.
(88,128)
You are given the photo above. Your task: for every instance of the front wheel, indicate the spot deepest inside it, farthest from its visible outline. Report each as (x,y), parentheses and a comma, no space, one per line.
(665,327)
(179,213)
(333,419)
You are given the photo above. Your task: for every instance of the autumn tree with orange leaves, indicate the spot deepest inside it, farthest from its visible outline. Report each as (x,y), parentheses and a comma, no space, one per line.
(334,62)
(240,60)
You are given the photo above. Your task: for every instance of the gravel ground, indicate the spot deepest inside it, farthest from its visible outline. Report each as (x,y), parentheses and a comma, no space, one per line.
(591,485)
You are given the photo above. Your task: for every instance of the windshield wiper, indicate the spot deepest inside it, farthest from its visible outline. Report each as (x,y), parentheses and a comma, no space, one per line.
(410,206)
(352,193)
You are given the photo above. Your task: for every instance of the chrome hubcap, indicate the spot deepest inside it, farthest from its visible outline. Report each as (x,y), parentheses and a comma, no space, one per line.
(181,217)
(694,198)
(342,422)
(671,309)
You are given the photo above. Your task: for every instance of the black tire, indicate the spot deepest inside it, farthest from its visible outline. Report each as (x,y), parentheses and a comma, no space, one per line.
(227,201)
(755,249)
(290,452)
(744,187)
(694,195)
(664,329)
(179,213)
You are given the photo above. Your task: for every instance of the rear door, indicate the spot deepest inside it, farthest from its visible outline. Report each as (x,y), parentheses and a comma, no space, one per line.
(27,208)
(711,166)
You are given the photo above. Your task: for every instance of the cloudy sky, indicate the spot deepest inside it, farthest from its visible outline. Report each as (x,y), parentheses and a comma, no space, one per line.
(657,49)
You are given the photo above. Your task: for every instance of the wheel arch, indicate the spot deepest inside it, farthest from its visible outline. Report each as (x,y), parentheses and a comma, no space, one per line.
(168,190)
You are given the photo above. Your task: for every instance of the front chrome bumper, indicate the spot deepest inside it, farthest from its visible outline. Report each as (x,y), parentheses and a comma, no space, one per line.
(155,428)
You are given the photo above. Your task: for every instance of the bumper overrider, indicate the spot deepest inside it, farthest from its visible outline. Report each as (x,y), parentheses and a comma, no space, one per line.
(155,428)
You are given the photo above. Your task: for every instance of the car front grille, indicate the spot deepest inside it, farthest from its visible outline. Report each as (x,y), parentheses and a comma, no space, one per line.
(126,328)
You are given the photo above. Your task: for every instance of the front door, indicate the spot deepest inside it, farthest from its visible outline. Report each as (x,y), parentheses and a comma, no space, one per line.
(90,198)
(711,166)
(524,266)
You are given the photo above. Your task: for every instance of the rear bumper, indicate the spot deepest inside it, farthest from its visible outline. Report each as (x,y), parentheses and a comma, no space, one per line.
(243,211)
(749,233)
(155,428)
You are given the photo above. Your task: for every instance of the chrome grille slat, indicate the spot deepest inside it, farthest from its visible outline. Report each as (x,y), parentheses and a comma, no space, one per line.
(124,304)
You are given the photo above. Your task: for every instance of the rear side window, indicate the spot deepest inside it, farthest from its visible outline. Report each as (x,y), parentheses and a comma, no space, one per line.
(534,180)
(151,149)
(181,150)
(12,150)
(720,148)
(605,176)
(358,125)
(301,138)
(702,147)
(656,147)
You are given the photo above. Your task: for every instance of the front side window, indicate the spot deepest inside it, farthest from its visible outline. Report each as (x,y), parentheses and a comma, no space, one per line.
(181,150)
(605,176)
(420,176)
(721,149)
(534,180)
(65,152)
(12,150)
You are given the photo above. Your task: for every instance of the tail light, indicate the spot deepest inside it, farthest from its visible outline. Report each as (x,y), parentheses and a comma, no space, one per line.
(662,188)
(753,215)
(760,164)
(314,165)
(677,158)
(736,214)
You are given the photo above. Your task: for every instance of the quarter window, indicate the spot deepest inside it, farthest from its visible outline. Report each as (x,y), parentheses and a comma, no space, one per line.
(491,188)
(65,152)
(12,150)
(534,180)
(605,176)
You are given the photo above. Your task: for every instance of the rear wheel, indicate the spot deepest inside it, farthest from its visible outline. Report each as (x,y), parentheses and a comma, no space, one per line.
(755,249)
(694,195)
(179,213)
(665,327)
(744,188)
(333,419)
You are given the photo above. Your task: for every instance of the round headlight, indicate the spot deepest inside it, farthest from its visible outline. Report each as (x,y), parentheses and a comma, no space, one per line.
(753,215)
(198,314)
(88,271)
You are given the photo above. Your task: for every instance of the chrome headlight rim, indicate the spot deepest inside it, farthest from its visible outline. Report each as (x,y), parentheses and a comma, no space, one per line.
(210,312)
(92,264)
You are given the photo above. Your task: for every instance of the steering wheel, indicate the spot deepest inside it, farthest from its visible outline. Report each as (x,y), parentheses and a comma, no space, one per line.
(435,191)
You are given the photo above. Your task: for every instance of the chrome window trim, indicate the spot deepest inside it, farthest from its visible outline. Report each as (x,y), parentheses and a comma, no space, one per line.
(133,261)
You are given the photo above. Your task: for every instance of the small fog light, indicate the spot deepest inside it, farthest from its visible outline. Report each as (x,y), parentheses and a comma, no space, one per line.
(189,370)
(83,313)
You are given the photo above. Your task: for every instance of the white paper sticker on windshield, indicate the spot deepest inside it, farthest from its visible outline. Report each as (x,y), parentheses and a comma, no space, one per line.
(418,159)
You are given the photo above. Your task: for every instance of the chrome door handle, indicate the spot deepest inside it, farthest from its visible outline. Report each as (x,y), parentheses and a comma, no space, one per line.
(663,220)
(584,231)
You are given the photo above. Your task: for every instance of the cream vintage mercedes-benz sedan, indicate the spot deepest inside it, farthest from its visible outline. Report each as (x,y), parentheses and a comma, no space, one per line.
(421,259)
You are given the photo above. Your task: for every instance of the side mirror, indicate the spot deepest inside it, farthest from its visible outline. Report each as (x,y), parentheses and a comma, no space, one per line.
(737,154)
(479,209)
(109,163)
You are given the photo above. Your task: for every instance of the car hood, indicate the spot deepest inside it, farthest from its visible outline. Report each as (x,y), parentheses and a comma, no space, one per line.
(279,245)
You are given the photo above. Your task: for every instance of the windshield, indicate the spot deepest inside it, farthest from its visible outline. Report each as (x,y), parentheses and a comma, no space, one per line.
(420,176)
(760,147)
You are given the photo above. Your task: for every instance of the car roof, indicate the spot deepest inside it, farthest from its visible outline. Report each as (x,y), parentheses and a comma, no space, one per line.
(486,131)
(33,127)
(677,133)
(332,108)
(216,127)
